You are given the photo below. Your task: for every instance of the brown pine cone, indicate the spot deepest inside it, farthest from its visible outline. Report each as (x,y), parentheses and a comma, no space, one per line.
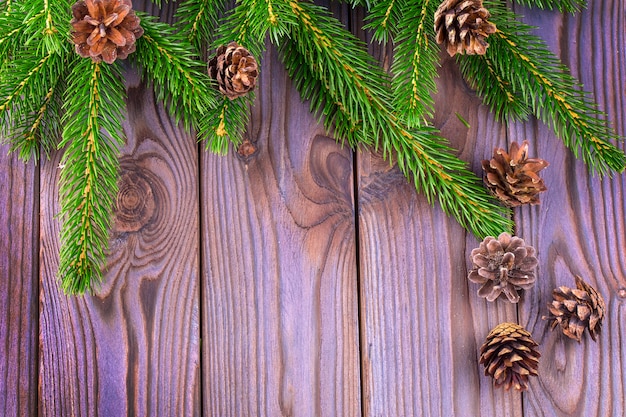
(462,26)
(512,177)
(105,29)
(575,310)
(503,266)
(509,356)
(234,69)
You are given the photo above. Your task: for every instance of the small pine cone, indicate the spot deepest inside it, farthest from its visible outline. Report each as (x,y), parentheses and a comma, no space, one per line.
(575,310)
(462,26)
(105,29)
(503,266)
(234,69)
(509,356)
(512,177)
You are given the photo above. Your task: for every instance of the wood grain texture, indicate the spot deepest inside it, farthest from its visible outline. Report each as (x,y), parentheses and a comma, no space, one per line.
(19,285)
(280,321)
(580,227)
(422,321)
(133,347)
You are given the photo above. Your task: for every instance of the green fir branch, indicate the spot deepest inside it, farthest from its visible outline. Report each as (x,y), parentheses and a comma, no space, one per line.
(496,92)
(94,102)
(569,6)
(384,19)
(331,67)
(524,62)
(166,59)
(34,57)
(30,109)
(197,19)
(225,123)
(414,69)
(248,24)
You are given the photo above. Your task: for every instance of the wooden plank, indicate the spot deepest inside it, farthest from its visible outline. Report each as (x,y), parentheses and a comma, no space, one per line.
(422,321)
(580,226)
(133,347)
(19,285)
(279,267)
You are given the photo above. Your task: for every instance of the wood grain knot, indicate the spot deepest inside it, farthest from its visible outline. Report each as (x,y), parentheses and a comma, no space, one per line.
(247,150)
(135,204)
(621,293)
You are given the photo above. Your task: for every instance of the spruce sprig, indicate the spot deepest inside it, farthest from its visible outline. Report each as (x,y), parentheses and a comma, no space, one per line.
(33,62)
(168,60)
(571,6)
(332,69)
(197,19)
(384,19)
(93,136)
(414,68)
(528,70)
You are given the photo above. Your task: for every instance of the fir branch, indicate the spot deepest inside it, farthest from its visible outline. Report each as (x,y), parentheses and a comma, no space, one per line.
(249,23)
(331,67)
(198,20)
(523,61)
(570,6)
(94,102)
(497,93)
(416,56)
(167,60)
(384,18)
(30,110)
(225,123)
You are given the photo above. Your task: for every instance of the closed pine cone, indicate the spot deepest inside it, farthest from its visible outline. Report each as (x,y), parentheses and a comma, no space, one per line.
(462,26)
(105,29)
(575,310)
(512,177)
(509,356)
(503,266)
(234,69)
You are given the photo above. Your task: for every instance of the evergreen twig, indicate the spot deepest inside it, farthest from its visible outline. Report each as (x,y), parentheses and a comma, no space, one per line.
(524,67)
(167,59)
(88,182)
(330,66)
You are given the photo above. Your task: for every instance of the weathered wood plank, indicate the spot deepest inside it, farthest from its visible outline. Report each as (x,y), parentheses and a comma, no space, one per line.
(279,259)
(422,321)
(19,285)
(133,347)
(580,226)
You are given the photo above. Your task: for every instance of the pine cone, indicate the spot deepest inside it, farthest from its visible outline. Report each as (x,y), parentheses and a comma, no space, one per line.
(576,310)
(462,26)
(509,356)
(105,29)
(503,265)
(512,177)
(234,69)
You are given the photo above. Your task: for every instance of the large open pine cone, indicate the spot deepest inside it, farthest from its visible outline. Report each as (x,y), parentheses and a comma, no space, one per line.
(105,29)
(575,310)
(509,356)
(503,266)
(512,177)
(462,26)
(234,69)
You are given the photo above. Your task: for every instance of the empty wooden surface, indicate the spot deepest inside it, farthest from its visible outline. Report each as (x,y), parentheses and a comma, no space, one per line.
(307,279)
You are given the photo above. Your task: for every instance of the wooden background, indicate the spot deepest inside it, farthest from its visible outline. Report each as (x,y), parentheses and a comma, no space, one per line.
(309,280)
